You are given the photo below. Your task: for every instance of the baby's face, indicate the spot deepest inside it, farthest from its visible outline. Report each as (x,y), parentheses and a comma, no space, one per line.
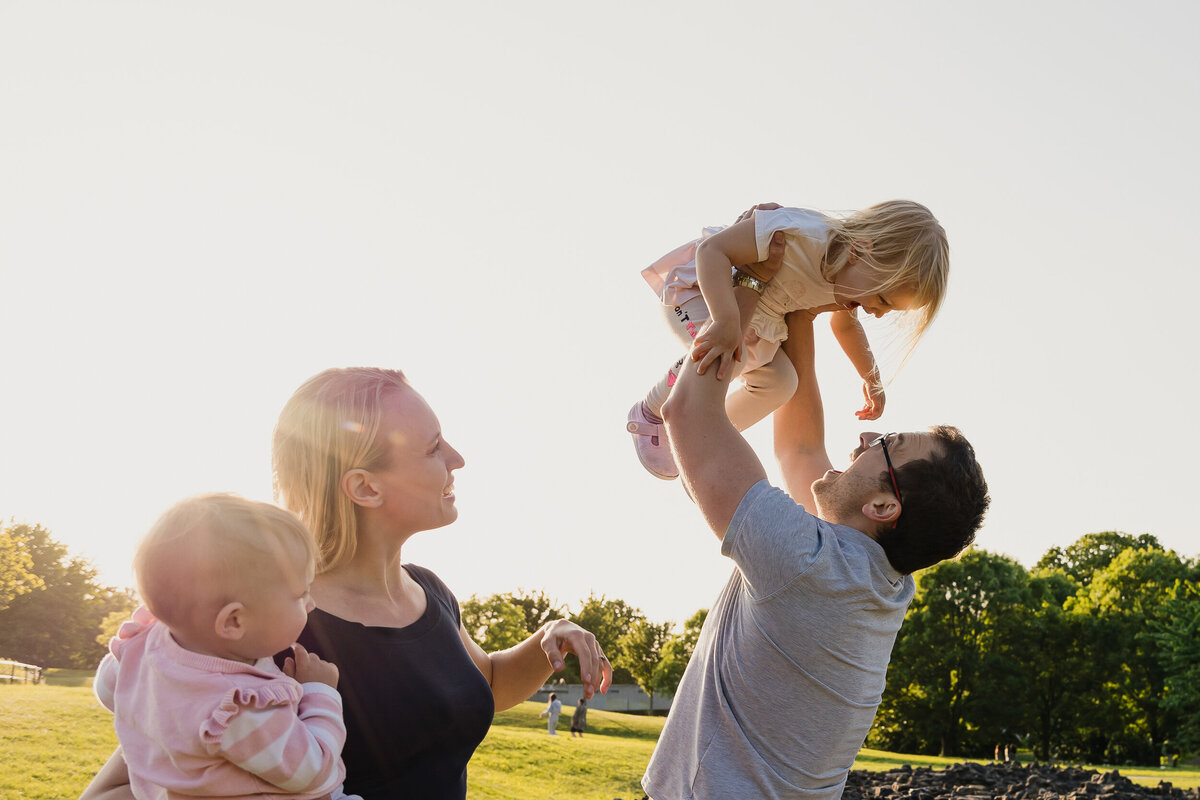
(278,609)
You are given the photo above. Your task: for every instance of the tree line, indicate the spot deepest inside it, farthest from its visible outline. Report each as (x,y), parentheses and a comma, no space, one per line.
(642,652)
(53,612)
(1092,655)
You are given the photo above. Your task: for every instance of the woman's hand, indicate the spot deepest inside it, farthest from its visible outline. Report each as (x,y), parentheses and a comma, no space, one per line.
(563,636)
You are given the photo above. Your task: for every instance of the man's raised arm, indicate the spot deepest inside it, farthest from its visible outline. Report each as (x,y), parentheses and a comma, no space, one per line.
(716,464)
(800,422)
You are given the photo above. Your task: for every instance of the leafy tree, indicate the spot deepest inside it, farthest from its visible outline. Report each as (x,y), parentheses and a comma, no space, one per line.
(1093,552)
(493,622)
(1056,663)
(676,653)
(1129,599)
(608,620)
(640,649)
(1179,639)
(109,627)
(16,576)
(952,672)
(56,625)
(1098,713)
(537,608)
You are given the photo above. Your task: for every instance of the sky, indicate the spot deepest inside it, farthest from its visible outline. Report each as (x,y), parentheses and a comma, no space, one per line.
(204,204)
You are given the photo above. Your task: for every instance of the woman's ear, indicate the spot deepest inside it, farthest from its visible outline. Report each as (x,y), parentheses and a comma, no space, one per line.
(229,624)
(359,486)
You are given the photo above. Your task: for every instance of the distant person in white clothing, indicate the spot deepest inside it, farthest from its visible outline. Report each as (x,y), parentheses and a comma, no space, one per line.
(789,669)
(551,712)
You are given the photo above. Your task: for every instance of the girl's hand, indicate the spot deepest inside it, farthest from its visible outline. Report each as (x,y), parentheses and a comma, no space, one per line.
(717,342)
(874,397)
(308,667)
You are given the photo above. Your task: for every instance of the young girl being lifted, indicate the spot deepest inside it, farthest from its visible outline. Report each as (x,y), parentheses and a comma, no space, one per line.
(890,257)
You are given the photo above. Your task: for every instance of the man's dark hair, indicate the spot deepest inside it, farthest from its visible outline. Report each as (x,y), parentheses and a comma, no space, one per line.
(944,500)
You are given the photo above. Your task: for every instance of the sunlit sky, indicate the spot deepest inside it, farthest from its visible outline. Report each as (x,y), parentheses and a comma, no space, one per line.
(203,204)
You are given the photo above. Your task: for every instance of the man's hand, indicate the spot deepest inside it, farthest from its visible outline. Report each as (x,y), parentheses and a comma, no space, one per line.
(749,212)
(765,270)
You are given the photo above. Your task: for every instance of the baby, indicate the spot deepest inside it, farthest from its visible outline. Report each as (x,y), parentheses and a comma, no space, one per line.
(199,706)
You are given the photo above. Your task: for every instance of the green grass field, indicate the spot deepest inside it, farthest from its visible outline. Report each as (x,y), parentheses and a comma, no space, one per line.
(53,739)
(55,736)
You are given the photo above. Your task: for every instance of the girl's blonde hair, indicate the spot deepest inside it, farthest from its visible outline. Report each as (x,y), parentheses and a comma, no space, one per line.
(214,549)
(903,244)
(328,427)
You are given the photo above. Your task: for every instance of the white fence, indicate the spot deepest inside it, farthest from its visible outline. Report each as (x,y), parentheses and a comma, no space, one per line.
(16,672)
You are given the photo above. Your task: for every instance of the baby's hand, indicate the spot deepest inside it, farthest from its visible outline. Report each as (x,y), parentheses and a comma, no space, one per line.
(717,342)
(873,407)
(308,667)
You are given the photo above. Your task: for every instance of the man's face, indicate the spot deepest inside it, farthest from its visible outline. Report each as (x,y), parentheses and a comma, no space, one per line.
(846,497)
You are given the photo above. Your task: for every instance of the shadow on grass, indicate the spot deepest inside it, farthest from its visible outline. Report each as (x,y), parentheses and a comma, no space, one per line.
(68,677)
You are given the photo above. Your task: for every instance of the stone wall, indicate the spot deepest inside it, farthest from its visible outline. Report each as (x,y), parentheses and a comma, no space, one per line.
(1011,781)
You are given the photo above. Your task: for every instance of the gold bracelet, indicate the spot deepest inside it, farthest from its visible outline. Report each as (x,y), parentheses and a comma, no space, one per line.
(749,281)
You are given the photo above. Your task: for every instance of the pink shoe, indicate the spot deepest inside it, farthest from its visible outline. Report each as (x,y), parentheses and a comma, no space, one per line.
(650,442)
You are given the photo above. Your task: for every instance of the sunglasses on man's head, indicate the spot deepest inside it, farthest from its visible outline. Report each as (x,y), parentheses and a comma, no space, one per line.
(882,442)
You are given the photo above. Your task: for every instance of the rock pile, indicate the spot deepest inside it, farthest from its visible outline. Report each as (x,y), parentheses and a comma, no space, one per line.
(1009,781)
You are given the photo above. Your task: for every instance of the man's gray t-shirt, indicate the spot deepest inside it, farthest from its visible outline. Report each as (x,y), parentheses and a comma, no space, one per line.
(790,664)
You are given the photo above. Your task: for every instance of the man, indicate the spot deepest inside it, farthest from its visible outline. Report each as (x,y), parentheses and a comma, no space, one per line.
(790,666)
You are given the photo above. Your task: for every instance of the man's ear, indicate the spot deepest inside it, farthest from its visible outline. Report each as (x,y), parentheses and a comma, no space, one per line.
(883,508)
(229,624)
(358,485)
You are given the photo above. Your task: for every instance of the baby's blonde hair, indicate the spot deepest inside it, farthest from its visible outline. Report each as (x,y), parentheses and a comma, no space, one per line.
(328,427)
(903,244)
(212,549)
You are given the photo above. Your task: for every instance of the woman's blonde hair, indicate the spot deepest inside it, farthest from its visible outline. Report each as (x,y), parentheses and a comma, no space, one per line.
(903,244)
(214,549)
(329,426)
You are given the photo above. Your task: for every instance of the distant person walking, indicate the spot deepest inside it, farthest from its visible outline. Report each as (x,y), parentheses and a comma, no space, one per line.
(552,711)
(579,719)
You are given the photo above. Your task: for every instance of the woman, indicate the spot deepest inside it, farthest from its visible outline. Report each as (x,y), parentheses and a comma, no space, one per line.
(360,457)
